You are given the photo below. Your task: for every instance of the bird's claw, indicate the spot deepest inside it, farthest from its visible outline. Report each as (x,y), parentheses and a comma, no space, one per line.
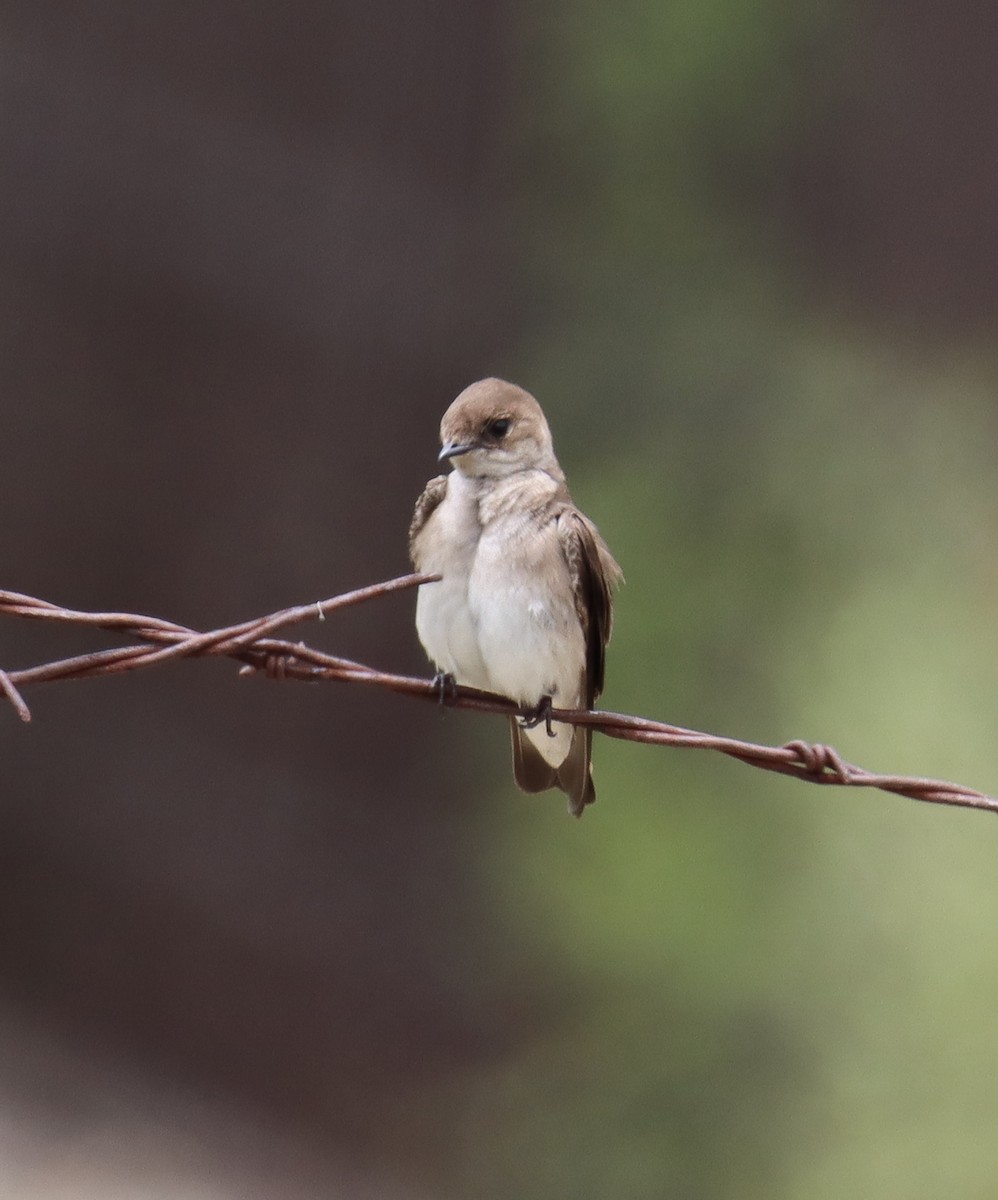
(541,713)
(445,686)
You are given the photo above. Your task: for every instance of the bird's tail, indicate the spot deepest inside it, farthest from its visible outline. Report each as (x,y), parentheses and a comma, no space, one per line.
(533,773)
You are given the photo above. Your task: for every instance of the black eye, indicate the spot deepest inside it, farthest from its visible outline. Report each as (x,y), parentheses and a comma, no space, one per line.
(498,428)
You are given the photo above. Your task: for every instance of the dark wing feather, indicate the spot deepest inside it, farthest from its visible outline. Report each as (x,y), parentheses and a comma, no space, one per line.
(432,494)
(594,573)
(530,770)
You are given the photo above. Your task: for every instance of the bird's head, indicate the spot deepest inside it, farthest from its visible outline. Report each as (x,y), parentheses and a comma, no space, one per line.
(496,428)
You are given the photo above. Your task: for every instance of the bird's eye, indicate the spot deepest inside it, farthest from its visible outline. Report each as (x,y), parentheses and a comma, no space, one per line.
(498,428)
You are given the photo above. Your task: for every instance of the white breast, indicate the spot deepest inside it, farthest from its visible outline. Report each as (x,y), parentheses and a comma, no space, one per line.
(503,617)
(529,635)
(444,621)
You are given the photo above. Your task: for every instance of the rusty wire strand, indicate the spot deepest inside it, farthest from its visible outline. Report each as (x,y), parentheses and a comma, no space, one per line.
(252,644)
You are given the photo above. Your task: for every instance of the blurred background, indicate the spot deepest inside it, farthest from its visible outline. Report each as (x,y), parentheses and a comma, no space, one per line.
(262,939)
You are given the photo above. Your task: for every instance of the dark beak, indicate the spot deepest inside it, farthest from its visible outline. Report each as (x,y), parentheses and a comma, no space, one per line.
(455,449)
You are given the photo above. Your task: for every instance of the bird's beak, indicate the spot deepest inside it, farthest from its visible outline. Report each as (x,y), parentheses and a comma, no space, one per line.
(455,450)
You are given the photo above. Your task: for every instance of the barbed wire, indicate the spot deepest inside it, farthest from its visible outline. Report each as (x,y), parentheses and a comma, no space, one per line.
(252,644)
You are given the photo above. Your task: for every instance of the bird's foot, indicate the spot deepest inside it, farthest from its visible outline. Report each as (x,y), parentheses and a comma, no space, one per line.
(445,686)
(541,713)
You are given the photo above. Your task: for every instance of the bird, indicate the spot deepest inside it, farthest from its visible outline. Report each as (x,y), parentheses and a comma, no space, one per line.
(524,605)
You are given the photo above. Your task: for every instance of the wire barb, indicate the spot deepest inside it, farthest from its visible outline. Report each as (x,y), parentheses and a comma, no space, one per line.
(820,761)
(252,644)
(14,696)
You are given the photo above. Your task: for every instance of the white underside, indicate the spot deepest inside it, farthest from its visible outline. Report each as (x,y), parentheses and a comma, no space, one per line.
(503,617)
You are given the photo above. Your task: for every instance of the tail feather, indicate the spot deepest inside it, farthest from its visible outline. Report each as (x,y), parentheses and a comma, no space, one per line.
(574,776)
(531,772)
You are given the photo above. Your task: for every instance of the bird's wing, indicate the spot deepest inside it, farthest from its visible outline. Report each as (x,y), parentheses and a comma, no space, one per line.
(594,574)
(432,494)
